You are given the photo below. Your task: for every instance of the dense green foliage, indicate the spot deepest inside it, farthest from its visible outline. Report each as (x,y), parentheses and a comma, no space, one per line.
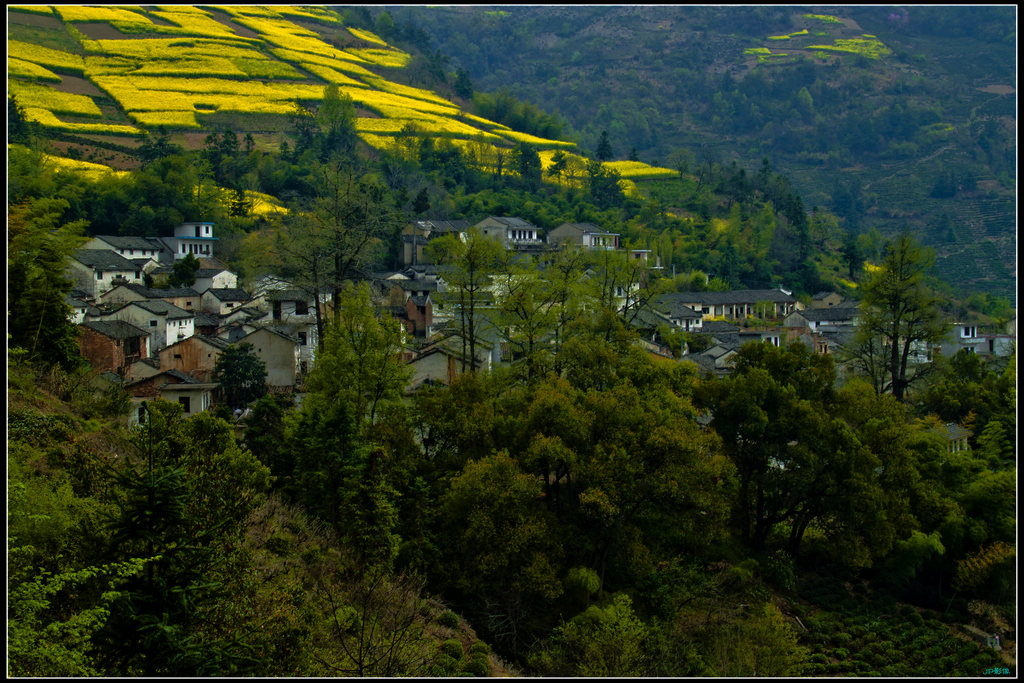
(592,510)
(923,136)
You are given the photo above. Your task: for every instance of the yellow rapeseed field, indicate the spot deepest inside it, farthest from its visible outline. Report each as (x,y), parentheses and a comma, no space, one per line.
(19,68)
(47,57)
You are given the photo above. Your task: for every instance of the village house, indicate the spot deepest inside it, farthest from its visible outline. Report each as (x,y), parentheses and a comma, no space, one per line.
(671,308)
(96,271)
(822,319)
(585,235)
(192,238)
(195,356)
(112,345)
(185,298)
(511,232)
(738,304)
(826,300)
(443,359)
(214,278)
(149,248)
(170,385)
(967,336)
(166,323)
(80,310)
(223,301)
(418,234)
(279,352)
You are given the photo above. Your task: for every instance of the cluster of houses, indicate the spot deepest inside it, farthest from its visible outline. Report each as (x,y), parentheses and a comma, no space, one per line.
(161,341)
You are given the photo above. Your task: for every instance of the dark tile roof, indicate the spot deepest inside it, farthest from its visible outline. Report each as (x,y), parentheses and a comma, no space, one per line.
(228,294)
(161,307)
(414,285)
(132,242)
(104,259)
(741,296)
(210,272)
(115,329)
(293,294)
(829,314)
(672,304)
(443,225)
(513,222)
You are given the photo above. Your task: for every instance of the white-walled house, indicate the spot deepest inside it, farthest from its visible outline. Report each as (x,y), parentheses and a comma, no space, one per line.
(96,271)
(193,238)
(167,324)
(511,232)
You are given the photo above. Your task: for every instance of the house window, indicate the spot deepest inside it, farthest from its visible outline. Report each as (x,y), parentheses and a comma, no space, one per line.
(178,356)
(142,414)
(137,275)
(99,274)
(185,402)
(302,338)
(301,308)
(152,323)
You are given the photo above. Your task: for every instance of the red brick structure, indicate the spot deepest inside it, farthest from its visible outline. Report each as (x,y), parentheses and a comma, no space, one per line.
(112,345)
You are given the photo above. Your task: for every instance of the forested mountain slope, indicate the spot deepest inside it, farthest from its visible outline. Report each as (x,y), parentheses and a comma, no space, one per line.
(891,118)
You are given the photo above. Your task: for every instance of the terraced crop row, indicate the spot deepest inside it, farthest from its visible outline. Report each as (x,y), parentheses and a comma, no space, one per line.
(182,63)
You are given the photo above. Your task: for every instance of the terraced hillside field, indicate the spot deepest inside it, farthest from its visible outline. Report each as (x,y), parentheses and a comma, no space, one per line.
(123,71)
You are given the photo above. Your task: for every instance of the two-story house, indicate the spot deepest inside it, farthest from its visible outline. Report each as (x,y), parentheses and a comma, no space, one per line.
(167,324)
(192,238)
(585,235)
(418,234)
(822,319)
(96,271)
(112,345)
(511,233)
(223,301)
(738,304)
(196,356)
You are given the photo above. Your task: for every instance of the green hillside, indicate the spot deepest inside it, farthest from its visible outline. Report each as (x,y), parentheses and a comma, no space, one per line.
(892,119)
(101,71)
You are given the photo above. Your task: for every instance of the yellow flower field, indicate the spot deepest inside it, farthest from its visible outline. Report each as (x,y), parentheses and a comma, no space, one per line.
(390,58)
(47,118)
(516,136)
(19,68)
(44,97)
(638,169)
(170,119)
(329,74)
(88,168)
(44,56)
(367,36)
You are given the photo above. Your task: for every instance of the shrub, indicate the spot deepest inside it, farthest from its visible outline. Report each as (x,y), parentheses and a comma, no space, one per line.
(478,668)
(479,647)
(452,648)
(449,619)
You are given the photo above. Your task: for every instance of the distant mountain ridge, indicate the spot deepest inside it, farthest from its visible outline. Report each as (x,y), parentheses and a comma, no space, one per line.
(890,117)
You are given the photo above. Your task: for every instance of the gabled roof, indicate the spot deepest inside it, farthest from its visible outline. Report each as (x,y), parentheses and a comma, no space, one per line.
(103,259)
(512,222)
(829,314)
(673,306)
(293,294)
(442,225)
(586,228)
(228,294)
(160,307)
(132,242)
(280,332)
(741,296)
(115,329)
(414,285)
(210,272)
